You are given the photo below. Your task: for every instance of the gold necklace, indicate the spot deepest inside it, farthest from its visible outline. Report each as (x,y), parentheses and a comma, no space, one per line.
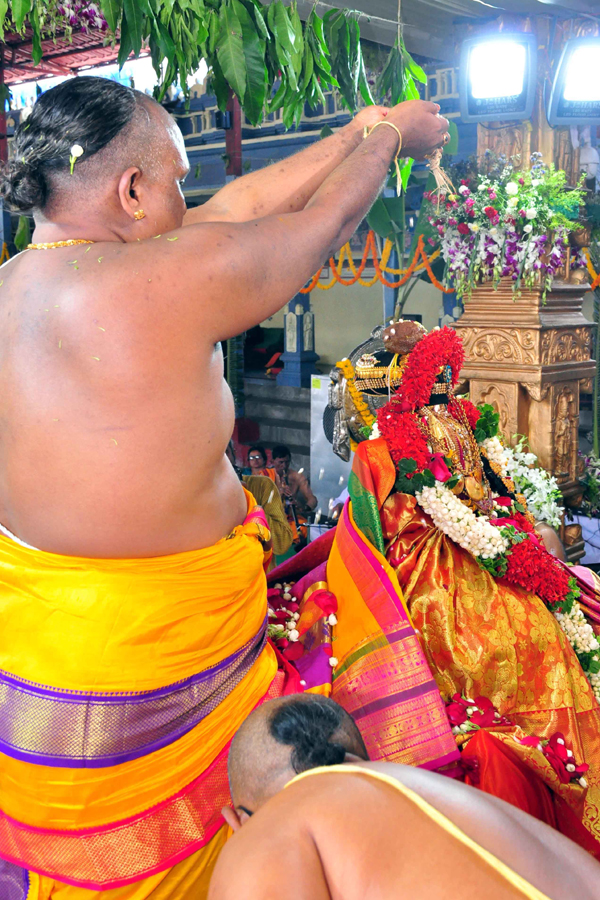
(54,245)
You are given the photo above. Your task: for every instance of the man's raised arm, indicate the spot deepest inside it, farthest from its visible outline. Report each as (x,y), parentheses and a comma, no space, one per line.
(230,276)
(288,185)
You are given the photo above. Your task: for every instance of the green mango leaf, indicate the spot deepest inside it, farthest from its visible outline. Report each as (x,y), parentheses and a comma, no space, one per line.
(285,63)
(23,233)
(296,23)
(256,13)
(326,131)
(363,84)
(20,11)
(414,68)
(451,148)
(165,42)
(386,217)
(214,27)
(254,54)
(276,102)
(283,27)
(308,67)
(219,85)
(3,12)
(36,41)
(125,45)
(112,13)
(230,51)
(133,15)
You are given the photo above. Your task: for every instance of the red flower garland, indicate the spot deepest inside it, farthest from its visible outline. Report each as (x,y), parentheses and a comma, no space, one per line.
(438,349)
(403,436)
(533,568)
(469,409)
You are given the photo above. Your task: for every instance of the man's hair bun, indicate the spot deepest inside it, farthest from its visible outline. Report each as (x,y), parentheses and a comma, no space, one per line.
(22,188)
(87,111)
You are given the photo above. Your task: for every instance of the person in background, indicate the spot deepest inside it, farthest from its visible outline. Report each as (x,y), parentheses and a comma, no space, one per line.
(295,488)
(321,821)
(258,465)
(267,496)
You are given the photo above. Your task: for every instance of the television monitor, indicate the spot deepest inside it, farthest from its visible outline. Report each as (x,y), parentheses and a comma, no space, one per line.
(497,77)
(575,94)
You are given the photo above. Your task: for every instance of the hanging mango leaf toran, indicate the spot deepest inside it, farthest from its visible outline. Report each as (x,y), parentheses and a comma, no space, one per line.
(263,52)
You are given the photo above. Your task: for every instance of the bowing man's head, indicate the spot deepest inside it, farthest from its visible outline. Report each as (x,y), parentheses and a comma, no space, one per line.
(281,739)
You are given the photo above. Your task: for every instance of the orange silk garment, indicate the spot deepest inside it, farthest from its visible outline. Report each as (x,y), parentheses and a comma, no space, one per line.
(127,625)
(484,637)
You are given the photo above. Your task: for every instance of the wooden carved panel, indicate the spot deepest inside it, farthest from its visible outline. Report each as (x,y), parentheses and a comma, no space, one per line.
(504,398)
(566,345)
(565,420)
(499,345)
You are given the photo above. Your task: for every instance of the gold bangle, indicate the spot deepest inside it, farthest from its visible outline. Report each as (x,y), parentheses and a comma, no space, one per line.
(367,131)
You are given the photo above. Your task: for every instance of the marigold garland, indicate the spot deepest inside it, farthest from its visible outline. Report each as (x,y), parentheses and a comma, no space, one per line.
(347,370)
(379,266)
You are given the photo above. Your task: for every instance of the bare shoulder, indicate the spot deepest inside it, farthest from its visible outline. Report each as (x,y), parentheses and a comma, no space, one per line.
(273,855)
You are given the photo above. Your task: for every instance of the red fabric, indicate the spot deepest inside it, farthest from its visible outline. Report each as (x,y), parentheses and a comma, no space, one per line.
(313,555)
(493,768)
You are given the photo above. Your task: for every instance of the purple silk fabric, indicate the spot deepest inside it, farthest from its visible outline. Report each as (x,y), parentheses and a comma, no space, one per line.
(14,881)
(88,730)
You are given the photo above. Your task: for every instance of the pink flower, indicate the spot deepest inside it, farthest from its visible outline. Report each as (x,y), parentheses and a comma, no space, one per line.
(438,467)
(503,501)
(456,713)
(486,713)
(463,228)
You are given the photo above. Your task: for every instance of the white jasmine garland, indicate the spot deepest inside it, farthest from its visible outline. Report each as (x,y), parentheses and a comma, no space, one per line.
(582,639)
(471,532)
(480,538)
(496,453)
(539,488)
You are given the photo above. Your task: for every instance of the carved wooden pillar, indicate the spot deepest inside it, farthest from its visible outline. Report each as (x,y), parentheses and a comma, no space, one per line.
(528,359)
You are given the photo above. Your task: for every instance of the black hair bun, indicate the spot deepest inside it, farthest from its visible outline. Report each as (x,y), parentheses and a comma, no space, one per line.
(86,110)
(23,188)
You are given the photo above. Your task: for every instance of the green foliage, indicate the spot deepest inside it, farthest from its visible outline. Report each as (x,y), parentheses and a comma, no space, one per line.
(23,233)
(496,566)
(397,83)
(263,52)
(386,217)
(487,424)
(416,482)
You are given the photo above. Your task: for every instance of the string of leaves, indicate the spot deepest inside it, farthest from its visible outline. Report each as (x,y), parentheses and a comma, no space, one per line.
(263,52)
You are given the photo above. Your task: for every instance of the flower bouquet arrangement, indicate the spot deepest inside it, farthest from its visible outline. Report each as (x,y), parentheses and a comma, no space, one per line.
(507,224)
(453,461)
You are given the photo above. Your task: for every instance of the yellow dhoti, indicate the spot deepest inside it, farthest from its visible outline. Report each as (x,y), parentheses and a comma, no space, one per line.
(121,684)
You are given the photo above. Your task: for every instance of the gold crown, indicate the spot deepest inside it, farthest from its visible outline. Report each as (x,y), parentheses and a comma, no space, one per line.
(371,375)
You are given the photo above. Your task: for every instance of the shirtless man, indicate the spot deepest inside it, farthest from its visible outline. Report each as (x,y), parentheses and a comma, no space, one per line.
(114,419)
(114,413)
(345,832)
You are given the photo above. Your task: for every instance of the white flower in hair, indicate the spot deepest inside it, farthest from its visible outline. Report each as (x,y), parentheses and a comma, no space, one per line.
(76,151)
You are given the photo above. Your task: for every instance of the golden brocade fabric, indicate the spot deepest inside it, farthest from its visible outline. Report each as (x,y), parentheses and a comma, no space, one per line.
(483,637)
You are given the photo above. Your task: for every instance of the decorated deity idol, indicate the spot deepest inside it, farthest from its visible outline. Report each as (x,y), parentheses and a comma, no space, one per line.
(508,630)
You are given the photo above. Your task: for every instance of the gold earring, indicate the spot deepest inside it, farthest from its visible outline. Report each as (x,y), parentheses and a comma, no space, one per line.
(139,214)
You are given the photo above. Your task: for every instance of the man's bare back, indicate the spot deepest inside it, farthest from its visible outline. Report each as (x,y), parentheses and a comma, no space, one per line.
(114,415)
(347,836)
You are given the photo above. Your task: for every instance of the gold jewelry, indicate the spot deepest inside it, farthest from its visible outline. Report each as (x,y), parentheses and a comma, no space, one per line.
(54,245)
(369,131)
(139,214)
